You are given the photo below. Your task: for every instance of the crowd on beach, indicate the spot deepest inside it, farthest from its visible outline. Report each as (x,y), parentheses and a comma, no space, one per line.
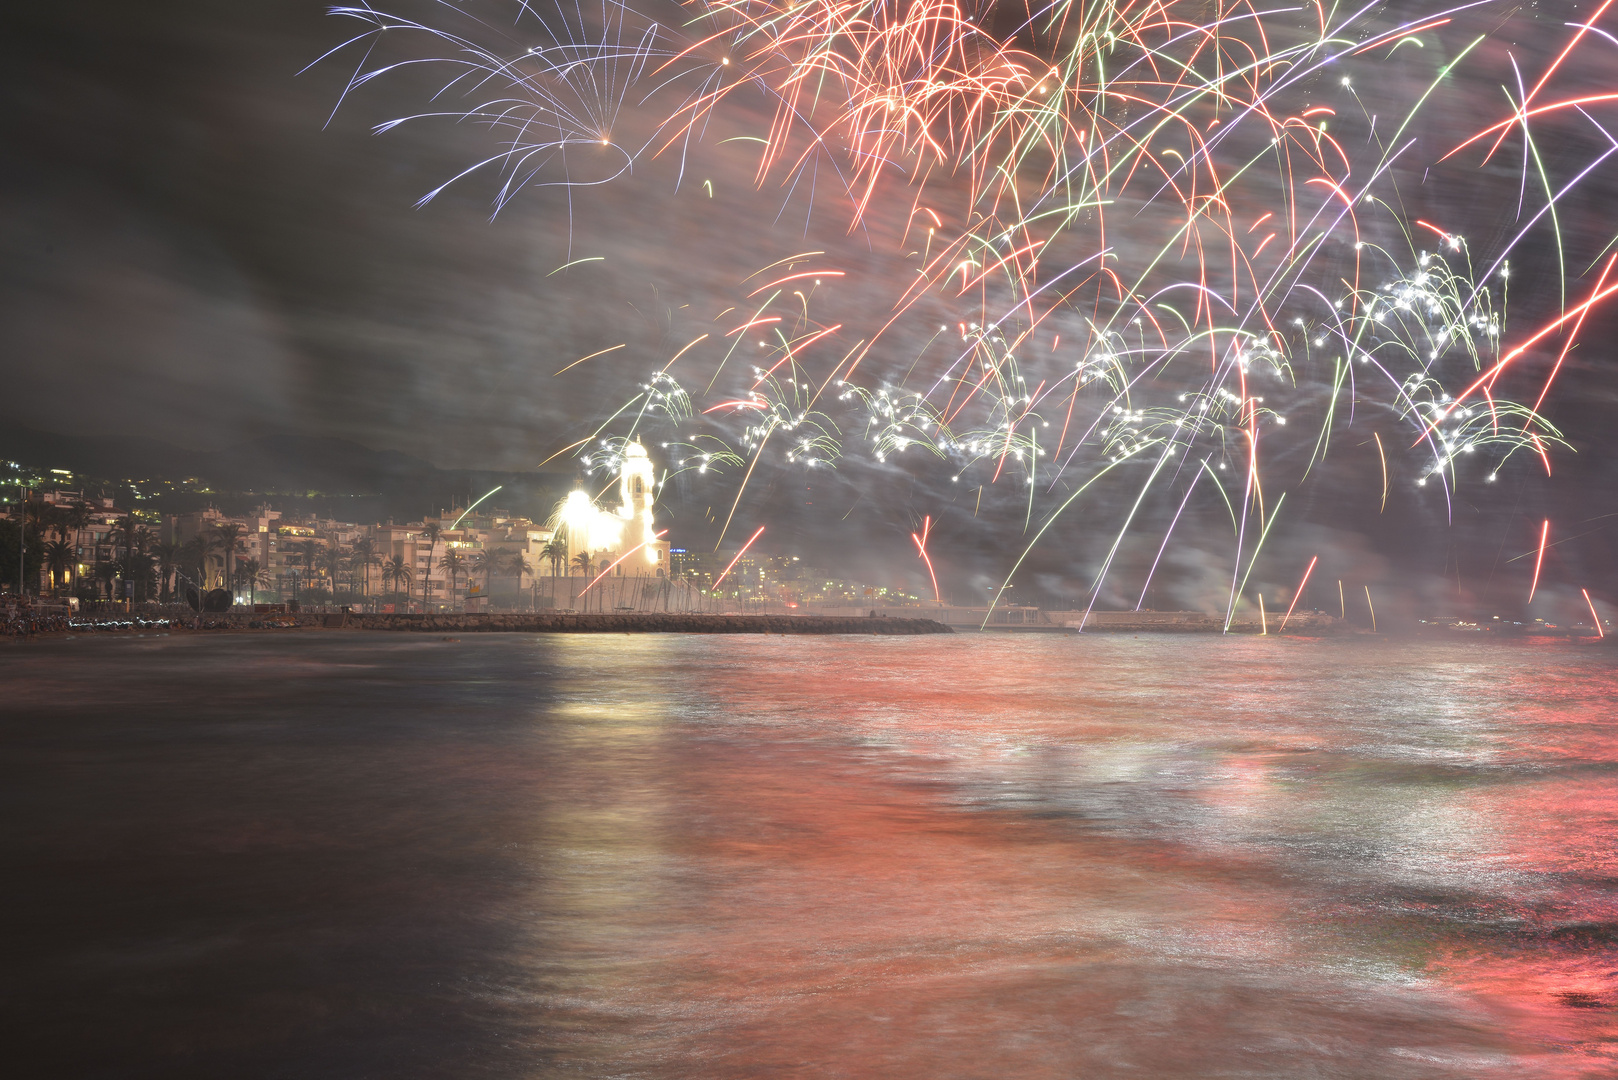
(30,617)
(25,619)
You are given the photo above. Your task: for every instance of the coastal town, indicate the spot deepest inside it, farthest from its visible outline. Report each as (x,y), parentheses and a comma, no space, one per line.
(86,552)
(94,560)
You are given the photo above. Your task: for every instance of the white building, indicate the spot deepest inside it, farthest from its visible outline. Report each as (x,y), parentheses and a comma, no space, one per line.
(625,540)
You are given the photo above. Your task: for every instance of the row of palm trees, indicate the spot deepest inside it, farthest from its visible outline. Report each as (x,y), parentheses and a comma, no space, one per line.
(211,559)
(455,563)
(140,563)
(458,562)
(136,559)
(361,562)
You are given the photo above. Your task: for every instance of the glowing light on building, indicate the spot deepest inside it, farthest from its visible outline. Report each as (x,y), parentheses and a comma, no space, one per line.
(586,527)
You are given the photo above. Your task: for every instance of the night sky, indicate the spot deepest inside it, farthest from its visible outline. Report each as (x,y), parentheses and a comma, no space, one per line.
(193,252)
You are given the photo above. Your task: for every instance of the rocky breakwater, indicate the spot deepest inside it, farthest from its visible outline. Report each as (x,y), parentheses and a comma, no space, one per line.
(1192,622)
(644,622)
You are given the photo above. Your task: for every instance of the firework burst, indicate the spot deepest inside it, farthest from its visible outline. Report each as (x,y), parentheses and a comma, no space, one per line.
(1143,246)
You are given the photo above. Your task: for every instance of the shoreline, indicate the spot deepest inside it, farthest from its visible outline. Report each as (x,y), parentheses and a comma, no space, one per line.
(1107,624)
(518,623)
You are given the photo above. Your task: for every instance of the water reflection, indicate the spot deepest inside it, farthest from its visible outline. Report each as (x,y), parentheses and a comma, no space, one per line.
(686,857)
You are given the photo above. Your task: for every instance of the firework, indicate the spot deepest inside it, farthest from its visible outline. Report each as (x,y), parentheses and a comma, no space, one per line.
(1539,558)
(1146,252)
(1299,593)
(740,552)
(920,540)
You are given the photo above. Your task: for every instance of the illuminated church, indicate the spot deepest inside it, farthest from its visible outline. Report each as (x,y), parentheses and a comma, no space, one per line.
(627,535)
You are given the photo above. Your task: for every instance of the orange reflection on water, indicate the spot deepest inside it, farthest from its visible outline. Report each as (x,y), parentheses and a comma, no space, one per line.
(710,858)
(1097,857)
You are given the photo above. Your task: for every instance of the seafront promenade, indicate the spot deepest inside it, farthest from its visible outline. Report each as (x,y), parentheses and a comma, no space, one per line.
(48,619)
(634,622)
(623,622)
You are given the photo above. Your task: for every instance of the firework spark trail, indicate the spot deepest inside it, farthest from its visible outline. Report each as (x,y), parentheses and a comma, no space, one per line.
(1539,558)
(1026,154)
(1301,586)
(732,564)
(1593,616)
(621,558)
(543,99)
(921,549)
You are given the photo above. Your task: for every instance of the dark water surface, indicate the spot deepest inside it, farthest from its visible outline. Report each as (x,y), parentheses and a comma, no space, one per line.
(346,855)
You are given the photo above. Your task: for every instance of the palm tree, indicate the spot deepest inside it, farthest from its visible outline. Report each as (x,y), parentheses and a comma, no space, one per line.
(168,556)
(432,533)
(310,551)
(193,555)
(229,533)
(362,556)
(53,519)
(210,545)
(478,563)
(36,512)
(129,534)
(76,518)
(555,553)
(59,559)
(585,564)
(331,563)
(396,572)
(138,569)
(106,574)
(452,563)
(251,575)
(512,564)
(78,515)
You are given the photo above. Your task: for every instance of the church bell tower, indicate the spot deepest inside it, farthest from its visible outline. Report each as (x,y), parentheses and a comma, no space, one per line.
(635,486)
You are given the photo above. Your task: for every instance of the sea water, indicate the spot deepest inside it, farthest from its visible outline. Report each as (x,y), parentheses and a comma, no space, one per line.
(341,855)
